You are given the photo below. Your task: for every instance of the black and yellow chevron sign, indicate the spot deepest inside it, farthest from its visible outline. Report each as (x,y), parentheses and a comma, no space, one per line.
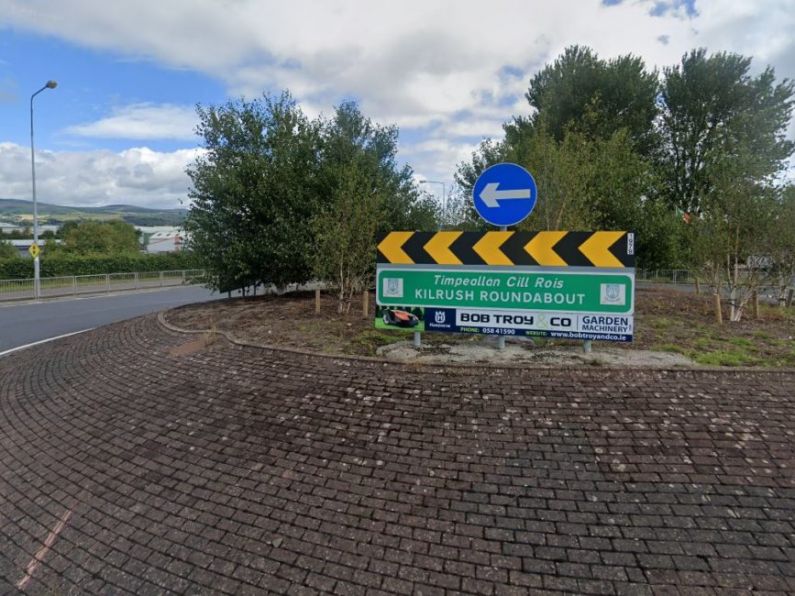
(545,249)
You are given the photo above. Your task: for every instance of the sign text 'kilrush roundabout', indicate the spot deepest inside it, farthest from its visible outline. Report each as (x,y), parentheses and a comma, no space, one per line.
(577,285)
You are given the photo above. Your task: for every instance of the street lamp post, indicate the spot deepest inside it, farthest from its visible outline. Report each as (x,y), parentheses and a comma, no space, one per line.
(444,195)
(36,271)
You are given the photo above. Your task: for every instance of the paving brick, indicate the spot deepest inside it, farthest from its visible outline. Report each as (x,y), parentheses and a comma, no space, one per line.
(237,469)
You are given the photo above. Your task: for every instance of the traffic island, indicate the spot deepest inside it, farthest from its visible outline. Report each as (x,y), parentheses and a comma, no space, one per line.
(672,328)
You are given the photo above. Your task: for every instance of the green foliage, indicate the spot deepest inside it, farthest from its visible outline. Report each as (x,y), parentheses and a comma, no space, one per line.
(65,265)
(254,191)
(609,152)
(584,184)
(357,169)
(728,357)
(25,233)
(595,97)
(659,236)
(96,238)
(715,117)
(369,194)
(8,251)
(345,232)
(268,172)
(487,154)
(563,172)
(782,238)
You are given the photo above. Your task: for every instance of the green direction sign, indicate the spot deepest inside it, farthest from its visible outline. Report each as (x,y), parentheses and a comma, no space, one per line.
(521,290)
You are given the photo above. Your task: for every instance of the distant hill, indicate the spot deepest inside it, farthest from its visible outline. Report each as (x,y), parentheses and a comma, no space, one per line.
(16,211)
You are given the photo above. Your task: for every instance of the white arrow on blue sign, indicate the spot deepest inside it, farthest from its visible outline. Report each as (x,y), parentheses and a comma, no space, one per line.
(504,194)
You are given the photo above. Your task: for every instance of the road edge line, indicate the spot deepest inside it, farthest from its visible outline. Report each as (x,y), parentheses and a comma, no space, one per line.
(42,341)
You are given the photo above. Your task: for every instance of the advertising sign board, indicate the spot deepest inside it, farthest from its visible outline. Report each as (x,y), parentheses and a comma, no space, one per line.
(578,285)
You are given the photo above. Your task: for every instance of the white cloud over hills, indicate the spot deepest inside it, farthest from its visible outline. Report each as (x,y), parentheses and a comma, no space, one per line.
(447,71)
(135,176)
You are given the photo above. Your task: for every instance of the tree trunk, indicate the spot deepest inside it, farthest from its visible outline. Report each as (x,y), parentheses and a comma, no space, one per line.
(317,301)
(755,298)
(718,312)
(365,303)
(698,286)
(734,276)
(341,295)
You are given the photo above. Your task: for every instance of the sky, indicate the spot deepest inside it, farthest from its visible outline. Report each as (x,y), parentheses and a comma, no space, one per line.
(119,127)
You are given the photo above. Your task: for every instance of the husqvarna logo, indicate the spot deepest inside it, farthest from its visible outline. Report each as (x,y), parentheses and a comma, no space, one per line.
(440,317)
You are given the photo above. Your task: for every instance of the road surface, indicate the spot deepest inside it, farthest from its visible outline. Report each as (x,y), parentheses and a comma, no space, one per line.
(137,460)
(21,324)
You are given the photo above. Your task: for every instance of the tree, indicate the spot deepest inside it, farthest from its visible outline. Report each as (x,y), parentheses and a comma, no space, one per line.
(595,97)
(588,144)
(563,171)
(710,106)
(488,153)
(24,234)
(723,148)
(350,136)
(254,192)
(583,184)
(461,213)
(368,193)
(345,234)
(782,245)
(7,250)
(97,237)
(730,245)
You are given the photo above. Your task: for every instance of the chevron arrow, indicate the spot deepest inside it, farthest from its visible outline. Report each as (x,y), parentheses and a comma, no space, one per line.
(488,248)
(392,247)
(490,195)
(597,249)
(540,248)
(438,247)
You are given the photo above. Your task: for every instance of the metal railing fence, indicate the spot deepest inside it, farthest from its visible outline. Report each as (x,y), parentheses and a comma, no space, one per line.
(74,285)
(665,276)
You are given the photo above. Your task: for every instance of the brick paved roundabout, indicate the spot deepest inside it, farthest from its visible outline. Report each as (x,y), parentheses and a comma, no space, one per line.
(131,464)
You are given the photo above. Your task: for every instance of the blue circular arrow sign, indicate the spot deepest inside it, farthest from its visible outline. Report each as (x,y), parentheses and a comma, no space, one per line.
(504,194)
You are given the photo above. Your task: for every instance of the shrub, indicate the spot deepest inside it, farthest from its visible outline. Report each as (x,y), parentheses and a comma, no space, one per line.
(65,265)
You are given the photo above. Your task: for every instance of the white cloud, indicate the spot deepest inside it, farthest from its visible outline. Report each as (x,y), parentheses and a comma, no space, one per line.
(142,121)
(432,158)
(135,176)
(438,66)
(475,128)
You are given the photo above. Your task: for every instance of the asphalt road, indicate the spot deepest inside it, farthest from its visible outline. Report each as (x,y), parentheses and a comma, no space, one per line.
(21,324)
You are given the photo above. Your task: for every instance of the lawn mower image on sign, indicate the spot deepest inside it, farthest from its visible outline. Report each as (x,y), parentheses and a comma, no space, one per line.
(401,318)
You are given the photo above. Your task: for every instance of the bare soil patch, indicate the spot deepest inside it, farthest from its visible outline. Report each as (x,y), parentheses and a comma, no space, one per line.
(673,328)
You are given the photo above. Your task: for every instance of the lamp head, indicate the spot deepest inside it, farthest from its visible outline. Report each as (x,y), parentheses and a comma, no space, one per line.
(51,84)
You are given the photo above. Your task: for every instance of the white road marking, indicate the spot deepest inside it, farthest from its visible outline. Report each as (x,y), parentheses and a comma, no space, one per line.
(42,341)
(42,552)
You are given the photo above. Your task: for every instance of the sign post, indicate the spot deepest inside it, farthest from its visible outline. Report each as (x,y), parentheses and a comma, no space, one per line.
(560,284)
